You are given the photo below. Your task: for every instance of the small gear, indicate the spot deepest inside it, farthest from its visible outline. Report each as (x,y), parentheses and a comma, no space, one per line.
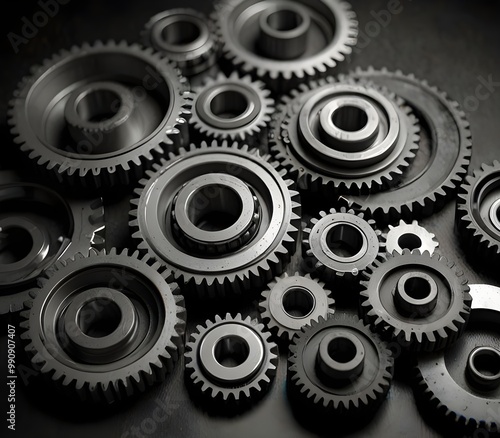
(286,43)
(338,368)
(98,115)
(104,326)
(231,361)
(438,169)
(291,302)
(478,217)
(218,191)
(410,236)
(344,137)
(232,108)
(422,302)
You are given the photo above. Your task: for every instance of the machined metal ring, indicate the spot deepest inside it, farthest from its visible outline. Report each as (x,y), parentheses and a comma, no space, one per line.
(410,236)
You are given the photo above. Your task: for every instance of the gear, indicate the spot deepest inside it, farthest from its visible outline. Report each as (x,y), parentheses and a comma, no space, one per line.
(291,302)
(460,386)
(411,237)
(478,217)
(98,115)
(38,227)
(286,43)
(421,302)
(217,191)
(441,166)
(338,368)
(341,244)
(105,326)
(343,137)
(232,108)
(231,361)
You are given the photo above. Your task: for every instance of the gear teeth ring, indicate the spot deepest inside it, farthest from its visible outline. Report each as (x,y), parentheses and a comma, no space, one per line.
(410,236)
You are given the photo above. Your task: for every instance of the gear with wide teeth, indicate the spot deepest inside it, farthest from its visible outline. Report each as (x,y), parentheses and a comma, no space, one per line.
(410,236)
(285,43)
(477,217)
(99,115)
(419,301)
(38,227)
(232,108)
(224,186)
(458,389)
(292,302)
(338,368)
(230,361)
(442,160)
(105,326)
(341,244)
(344,137)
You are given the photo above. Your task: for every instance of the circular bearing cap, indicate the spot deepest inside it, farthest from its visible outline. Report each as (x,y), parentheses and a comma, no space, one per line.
(411,237)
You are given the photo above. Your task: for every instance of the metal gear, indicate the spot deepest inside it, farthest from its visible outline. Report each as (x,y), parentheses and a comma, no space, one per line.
(427,187)
(98,115)
(104,326)
(285,43)
(38,227)
(292,302)
(232,108)
(231,360)
(341,244)
(344,137)
(421,302)
(477,217)
(217,192)
(410,236)
(338,368)
(461,384)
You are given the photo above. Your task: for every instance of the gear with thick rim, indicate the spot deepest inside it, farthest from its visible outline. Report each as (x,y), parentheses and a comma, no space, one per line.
(410,236)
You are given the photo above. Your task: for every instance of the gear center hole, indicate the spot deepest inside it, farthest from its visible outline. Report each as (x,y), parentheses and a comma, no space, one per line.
(487,362)
(99,317)
(342,350)
(284,20)
(98,105)
(180,33)
(409,241)
(417,288)
(229,104)
(231,351)
(298,302)
(344,240)
(15,244)
(349,118)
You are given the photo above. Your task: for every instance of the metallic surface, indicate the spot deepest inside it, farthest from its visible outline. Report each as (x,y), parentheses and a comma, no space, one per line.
(410,236)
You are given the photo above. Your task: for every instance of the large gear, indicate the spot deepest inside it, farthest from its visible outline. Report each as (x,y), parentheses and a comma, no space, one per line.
(232,204)
(285,43)
(98,115)
(410,236)
(232,108)
(442,166)
(292,302)
(339,369)
(344,137)
(421,302)
(231,360)
(38,227)
(104,326)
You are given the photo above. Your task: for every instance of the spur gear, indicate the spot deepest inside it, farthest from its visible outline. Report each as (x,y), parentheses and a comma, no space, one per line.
(285,43)
(231,361)
(343,137)
(338,368)
(232,108)
(222,218)
(436,172)
(105,326)
(98,115)
(292,302)
(410,236)
(422,302)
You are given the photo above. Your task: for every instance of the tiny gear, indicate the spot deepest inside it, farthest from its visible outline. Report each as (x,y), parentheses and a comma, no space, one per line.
(222,218)
(231,361)
(285,43)
(103,327)
(344,137)
(478,217)
(339,369)
(232,108)
(292,302)
(98,115)
(411,237)
(422,302)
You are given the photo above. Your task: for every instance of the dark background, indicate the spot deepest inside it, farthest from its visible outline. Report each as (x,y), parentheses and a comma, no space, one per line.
(450,43)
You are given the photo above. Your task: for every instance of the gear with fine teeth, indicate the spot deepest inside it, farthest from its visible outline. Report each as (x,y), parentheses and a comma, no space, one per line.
(103,327)
(97,115)
(422,302)
(410,236)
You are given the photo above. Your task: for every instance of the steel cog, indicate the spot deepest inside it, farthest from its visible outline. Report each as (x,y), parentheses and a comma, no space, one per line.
(411,236)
